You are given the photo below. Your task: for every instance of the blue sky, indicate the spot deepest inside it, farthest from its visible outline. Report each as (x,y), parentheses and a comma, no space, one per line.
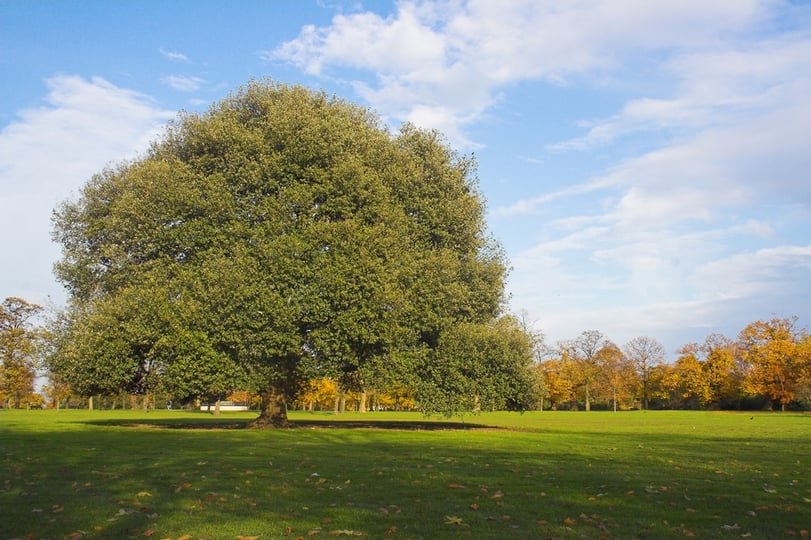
(646,165)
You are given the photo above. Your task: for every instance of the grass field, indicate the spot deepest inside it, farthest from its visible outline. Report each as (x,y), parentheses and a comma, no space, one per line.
(181,475)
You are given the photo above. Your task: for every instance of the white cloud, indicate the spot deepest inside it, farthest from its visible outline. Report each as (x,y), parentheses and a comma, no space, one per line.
(767,272)
(174,56)
(47,155)
(183,83)
(451,58)
(712,87)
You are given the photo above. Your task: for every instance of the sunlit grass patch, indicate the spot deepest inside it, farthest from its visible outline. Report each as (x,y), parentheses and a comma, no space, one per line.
(100,474)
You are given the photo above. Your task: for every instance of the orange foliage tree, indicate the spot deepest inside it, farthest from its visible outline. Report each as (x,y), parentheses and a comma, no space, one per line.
(775,358)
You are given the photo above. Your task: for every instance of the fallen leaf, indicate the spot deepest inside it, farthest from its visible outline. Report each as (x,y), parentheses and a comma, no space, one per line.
(457,486)
(149,532)
(185,537)
(474,506)
(391,530)
(144,494)
(453,520)
(346,532)
(569,521)
(313,532)
(497,495)
(247,537)
(733,527)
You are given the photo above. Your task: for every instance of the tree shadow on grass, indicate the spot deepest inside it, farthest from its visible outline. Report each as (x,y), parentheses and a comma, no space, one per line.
(232,424)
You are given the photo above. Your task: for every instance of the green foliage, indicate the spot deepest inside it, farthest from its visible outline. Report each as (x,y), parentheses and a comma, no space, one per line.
(280,237)
(479,367)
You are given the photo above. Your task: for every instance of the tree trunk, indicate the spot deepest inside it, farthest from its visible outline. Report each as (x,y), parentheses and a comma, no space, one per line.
(588,398)
(645,394)
(217,408)
(90,403)
(342,403)
(274,410)
(362,402)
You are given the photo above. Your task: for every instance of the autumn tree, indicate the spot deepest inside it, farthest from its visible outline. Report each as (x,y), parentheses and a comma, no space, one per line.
(582,352)
(722,369)
(280,237)
(18,350)
(645,353)
(559,385)
(773,353)
(687,379)
(616,373)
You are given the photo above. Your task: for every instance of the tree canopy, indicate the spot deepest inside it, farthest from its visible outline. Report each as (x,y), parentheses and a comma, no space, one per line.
(281,236)
(18,350)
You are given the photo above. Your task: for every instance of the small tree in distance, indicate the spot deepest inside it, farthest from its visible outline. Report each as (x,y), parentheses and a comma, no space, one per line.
(18,350)
(645,353)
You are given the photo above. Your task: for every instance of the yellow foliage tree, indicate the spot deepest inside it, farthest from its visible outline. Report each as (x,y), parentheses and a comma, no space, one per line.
(775,357)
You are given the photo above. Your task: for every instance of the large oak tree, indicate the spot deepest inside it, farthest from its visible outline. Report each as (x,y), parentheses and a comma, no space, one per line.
(283,235)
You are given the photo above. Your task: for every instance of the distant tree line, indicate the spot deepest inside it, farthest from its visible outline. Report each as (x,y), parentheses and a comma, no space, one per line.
(768,366)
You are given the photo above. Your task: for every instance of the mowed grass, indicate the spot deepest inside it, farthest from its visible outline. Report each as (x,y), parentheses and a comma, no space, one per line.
(173,474)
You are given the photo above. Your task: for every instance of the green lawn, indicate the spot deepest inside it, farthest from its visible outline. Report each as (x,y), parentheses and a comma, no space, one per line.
(172,474)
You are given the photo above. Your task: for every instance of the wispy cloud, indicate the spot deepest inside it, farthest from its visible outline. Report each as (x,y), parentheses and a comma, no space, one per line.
(727,82)
(174,56)
(183,83)
(442,63)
